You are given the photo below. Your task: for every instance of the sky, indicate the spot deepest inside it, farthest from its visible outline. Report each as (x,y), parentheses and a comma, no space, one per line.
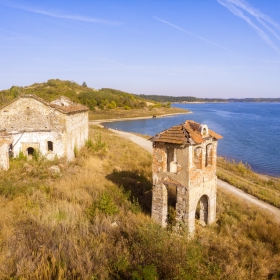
(200,48)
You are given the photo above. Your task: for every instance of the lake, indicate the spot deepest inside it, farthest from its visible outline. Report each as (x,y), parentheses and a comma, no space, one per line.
(251,131)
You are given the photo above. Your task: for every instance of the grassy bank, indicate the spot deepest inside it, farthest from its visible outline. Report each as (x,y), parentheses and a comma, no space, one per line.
(92,221)
(134,113)
(240,175)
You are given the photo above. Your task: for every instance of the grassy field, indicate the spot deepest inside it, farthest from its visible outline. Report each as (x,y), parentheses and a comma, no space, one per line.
(133,113)
(92,221)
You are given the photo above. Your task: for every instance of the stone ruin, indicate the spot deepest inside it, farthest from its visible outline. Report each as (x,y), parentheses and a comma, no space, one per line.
(184,174)
(54,129)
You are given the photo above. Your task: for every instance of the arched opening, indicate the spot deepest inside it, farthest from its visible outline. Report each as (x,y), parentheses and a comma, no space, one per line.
(170,158)
(171,204)
(197,158)
(50,146)
(209,155)
(30,152)
(201,213)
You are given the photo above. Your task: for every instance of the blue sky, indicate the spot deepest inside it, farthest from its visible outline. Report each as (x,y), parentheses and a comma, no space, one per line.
(201,48)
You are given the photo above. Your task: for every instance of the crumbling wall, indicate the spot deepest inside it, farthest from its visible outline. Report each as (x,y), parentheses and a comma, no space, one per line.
(77,132)
(5,141)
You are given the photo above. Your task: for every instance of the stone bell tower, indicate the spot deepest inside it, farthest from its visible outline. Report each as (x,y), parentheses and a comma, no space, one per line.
(184,160)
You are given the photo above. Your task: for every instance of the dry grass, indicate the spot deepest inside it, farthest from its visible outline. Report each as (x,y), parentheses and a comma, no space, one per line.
(92,222)
(240,175)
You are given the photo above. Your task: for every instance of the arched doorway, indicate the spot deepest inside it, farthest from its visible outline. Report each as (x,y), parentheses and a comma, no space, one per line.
(201,212)
(30,152)
(171,204)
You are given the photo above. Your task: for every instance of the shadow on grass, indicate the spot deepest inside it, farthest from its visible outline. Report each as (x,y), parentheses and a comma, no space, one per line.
(137,185)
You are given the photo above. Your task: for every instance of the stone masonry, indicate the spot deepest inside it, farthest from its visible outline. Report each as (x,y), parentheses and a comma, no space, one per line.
(184,159)
(53,129)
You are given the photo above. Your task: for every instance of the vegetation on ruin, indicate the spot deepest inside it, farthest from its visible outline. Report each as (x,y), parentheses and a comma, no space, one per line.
(92,221)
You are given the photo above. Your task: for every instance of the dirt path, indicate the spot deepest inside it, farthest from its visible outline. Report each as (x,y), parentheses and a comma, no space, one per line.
(147,145)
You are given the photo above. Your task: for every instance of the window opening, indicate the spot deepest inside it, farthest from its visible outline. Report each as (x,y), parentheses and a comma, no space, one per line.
(170,157)
(50,146)
(204,131)
(209,155)
(197,159)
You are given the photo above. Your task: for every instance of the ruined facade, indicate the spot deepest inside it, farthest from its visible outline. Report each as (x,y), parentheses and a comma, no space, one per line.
(184,174)
(53,129)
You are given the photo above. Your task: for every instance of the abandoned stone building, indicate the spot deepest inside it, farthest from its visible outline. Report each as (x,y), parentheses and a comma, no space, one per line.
(53,129)
(184,174)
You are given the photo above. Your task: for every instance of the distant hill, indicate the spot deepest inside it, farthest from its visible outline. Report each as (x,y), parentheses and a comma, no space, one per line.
(104,98)
(164,98)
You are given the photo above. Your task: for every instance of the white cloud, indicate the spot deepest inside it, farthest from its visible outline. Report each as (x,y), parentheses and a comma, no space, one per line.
(64,16)
(260,22)
(196,36)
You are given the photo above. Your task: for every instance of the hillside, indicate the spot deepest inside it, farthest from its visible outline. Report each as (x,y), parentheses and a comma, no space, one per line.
(104,98)
(91,220)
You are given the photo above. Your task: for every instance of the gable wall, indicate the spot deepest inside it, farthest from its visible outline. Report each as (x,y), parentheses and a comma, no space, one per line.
(29,114)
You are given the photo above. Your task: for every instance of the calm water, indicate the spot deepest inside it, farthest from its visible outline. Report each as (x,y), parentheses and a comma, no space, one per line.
(251,131)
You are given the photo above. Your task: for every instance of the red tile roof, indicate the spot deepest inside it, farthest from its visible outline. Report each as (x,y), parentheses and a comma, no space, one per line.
(185,133)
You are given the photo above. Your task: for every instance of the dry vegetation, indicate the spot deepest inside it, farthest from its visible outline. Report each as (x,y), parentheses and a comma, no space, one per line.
(266,188)
(91,221)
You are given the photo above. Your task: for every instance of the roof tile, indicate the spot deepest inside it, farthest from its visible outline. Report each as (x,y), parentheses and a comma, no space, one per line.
(181,134)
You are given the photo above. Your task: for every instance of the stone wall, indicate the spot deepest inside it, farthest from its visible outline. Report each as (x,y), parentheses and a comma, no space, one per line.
(77,131)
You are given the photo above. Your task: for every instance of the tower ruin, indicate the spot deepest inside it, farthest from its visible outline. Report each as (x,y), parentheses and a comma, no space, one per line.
(184,174)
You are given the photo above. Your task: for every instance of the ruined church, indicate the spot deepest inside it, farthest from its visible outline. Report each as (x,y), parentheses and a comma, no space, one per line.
(29,123)
(184,174)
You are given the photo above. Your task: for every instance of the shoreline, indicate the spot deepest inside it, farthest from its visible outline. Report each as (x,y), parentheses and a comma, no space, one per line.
(99,122)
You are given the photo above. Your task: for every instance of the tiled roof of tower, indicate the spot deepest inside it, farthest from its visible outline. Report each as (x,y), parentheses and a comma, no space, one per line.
(188,132)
